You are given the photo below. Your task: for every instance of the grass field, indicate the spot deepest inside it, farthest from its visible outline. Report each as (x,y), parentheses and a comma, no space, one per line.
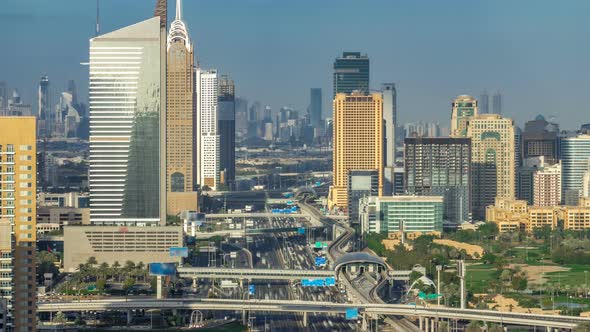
(575,277)
(478,277)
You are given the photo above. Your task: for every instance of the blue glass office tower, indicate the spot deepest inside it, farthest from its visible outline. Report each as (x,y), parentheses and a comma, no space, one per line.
(351,72)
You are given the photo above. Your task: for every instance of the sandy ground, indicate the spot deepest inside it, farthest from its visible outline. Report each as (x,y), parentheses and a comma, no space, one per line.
(503,304)
(535,272)
(471,249)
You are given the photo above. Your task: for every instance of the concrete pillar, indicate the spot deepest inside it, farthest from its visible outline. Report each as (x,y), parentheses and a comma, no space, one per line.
(305,319)
(159,287)
(433,325)
(244,316)
(421,323)
(129,317)
(241,281)
(427,321)
(194,283)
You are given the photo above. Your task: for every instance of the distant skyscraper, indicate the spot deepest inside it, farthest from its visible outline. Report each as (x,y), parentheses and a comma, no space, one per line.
(547,186)
(492,158)
(126,162)
(539,138)
(351,72)
(208,166)
(484,103)
(575,161)
(586,184)
(389,124)
(464,109)
(18,221)
(497,103)
(358,140)
(227,130)
(16,107)
(180,120)
(3,98)
(44,109)
(441,167)
(315,107)
(241,117)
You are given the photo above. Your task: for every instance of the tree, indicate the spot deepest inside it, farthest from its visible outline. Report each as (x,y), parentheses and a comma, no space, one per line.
(519,282)
(60,318)
(129,282)
(104,269)
(92,261)
(101,285)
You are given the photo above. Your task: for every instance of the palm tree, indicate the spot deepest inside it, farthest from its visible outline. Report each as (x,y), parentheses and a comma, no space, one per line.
(92,261)
(116,271)
(104,270)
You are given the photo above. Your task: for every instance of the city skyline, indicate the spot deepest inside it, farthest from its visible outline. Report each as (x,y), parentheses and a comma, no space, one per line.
(509,63)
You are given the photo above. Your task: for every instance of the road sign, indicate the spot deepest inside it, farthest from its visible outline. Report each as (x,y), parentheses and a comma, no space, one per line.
(352,313)
(162,269)
(251,289)
(178,252)
(313,283)
(301,231)
(320,261)
(330,281)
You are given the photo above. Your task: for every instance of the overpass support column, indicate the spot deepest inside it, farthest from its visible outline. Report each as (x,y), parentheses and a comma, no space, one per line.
(421,323)
(433,325)
(195,283)
(305,319)
(427,321)
(129,317)
(241,281)
(159,287)
(244,318)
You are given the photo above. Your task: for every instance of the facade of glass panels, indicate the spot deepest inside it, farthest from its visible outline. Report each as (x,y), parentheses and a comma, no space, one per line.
(351,72)
(441,167)
(125,83)
(575,161)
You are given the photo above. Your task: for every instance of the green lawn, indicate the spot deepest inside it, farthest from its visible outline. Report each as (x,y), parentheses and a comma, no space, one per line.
(478,277)
(575,277)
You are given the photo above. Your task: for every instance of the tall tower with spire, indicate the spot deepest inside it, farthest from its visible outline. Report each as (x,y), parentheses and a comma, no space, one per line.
(180,118)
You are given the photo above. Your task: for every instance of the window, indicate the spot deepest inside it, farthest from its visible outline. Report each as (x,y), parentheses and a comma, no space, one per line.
(177,182)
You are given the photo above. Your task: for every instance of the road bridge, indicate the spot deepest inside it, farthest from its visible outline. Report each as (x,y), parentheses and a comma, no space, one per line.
(258,274)
(239,233)
(424,314)
(255,215)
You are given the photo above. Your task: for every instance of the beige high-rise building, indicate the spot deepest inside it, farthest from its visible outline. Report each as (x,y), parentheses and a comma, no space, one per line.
(18,166)
(357,140)
(464,109)
(492,160)
(547,186)
(180,119)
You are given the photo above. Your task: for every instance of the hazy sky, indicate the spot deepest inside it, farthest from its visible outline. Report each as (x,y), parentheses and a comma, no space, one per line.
(536,52)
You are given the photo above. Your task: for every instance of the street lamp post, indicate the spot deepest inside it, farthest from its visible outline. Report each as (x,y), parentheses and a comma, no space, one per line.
(438,269)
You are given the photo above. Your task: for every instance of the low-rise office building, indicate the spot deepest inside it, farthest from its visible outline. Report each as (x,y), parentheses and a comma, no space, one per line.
(516,215)
(413,215)
(110,244)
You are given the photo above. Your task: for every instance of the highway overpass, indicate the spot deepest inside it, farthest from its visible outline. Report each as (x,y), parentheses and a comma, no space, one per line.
(254,215)
(252,274)
(490,316)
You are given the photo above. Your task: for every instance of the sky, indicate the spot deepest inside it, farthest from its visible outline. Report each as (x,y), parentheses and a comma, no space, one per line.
(535,52)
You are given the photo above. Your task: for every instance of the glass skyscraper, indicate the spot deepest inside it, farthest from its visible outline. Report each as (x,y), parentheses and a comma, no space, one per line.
(315,107)
(441,167)
(575,161)
(351,72)
(125,116)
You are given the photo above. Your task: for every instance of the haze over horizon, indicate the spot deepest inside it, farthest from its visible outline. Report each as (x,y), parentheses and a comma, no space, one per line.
(534,52)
